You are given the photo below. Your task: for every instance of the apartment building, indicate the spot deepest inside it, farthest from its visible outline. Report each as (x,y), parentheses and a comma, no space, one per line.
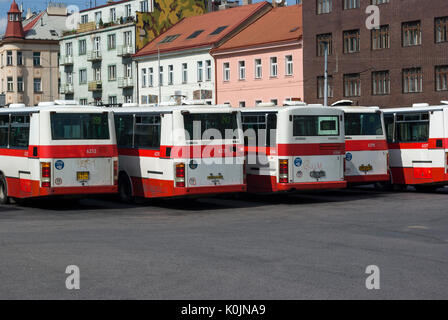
(262,63)
(29,52)
(178,65)
(96,64)
(402,61)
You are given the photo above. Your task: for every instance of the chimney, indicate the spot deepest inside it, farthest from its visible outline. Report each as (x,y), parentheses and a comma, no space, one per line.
(246,2)
(29,14)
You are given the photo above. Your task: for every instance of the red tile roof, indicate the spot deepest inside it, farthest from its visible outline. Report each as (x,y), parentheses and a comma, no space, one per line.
(229,18)
(33,22)
(281,24)
(14,28)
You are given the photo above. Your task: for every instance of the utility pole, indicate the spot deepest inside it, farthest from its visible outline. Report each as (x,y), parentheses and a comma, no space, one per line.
(326,76)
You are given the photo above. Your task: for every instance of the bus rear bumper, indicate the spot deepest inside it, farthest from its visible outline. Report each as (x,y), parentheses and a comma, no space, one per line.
(312,186)
(367,179)
(60,191)
(208,190)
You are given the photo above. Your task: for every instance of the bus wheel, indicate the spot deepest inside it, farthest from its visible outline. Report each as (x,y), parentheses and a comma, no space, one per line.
(4,199)
(125,189)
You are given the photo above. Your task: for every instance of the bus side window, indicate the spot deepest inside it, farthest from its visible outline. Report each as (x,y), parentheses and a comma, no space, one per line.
(147,132)
(20,131)
(4,126)
(271,136)
(124,127)
(389,123)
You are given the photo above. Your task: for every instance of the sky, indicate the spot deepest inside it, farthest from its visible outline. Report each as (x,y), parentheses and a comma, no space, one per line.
(38,5)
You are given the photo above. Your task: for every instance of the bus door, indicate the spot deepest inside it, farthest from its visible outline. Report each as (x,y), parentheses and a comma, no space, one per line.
(19,140)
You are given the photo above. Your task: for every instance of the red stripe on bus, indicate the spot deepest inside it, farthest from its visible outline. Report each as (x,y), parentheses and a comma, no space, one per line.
(71,151)
(441,143)
(311,149)
(415,176)
(366,145)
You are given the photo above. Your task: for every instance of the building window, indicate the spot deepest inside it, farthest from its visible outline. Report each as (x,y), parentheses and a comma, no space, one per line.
(380,83)
(144,77)
(226,71)
(208,70)
(113,14)
(20,84)
(321,41)
(112,100)
(69,49)
(128,70)
(441,29)
(37,85)
(69,78)
(242,70)
(351,41)
(112,72)
(258,69)
(98,17)
(83,101)
(150,77)
(111,41)
(184,73)
(381,38)
(351,4)
(242,104)
(321,87)
(144,6)
(128,10)
(274,67)
(275,102)
(83,76)
(376,2)
(170,74)
(442,78)
(10,84)
(84,18)
(36,58)
(19,58)
(82,47)
(289,65)
(412,80)
(200,71)
(127,36)
(161,76)
(324,6)
(9,58)
(96,74)
(352,85)
(411,33)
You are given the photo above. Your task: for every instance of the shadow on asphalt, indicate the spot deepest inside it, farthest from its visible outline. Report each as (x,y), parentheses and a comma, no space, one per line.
(219,202)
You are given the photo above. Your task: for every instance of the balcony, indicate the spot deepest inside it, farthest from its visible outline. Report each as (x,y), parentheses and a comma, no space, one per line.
(95,86)
(125,51)
(94,56)
(66,61)
(125,82)
(67,89)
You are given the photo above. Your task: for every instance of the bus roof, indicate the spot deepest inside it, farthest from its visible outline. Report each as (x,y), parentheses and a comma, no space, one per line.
(358,109)
(290,108)
(170,109)
(415,109)
(73,108)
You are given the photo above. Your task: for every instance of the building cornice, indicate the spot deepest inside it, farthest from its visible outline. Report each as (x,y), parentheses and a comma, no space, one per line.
(257,47)
(168,54)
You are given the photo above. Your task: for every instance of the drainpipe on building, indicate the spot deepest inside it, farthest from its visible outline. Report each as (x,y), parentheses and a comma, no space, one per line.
(326,76)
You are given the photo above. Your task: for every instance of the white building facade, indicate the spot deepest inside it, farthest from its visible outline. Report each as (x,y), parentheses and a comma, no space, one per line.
(96,65)
(187,74)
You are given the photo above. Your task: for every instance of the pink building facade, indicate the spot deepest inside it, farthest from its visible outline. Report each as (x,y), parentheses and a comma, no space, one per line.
(269,73)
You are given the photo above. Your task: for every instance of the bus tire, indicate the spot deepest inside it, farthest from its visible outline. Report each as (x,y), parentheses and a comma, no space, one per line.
(125,189)
(4,199)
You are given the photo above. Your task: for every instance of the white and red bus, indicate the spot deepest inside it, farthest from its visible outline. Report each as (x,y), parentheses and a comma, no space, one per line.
(56,150)
(367,153)
(418,145)
(179,151)
(292,148)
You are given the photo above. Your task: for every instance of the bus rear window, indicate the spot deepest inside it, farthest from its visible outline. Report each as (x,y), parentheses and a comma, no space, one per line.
(309,126)
(218,122)
(79,126)
(363,124)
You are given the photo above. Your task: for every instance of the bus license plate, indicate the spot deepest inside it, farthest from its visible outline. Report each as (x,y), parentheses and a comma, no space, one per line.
(82,176)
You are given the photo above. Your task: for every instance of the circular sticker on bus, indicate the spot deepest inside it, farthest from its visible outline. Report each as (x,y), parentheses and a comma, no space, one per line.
(348,156)
(192,181)
(59,164)
(193,164)
(58,181)
(298,162)
(299,174)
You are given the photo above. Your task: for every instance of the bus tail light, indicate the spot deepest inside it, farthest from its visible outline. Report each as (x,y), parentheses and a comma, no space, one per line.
(116,172)
(180,175)
(283,171)
(45,174)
